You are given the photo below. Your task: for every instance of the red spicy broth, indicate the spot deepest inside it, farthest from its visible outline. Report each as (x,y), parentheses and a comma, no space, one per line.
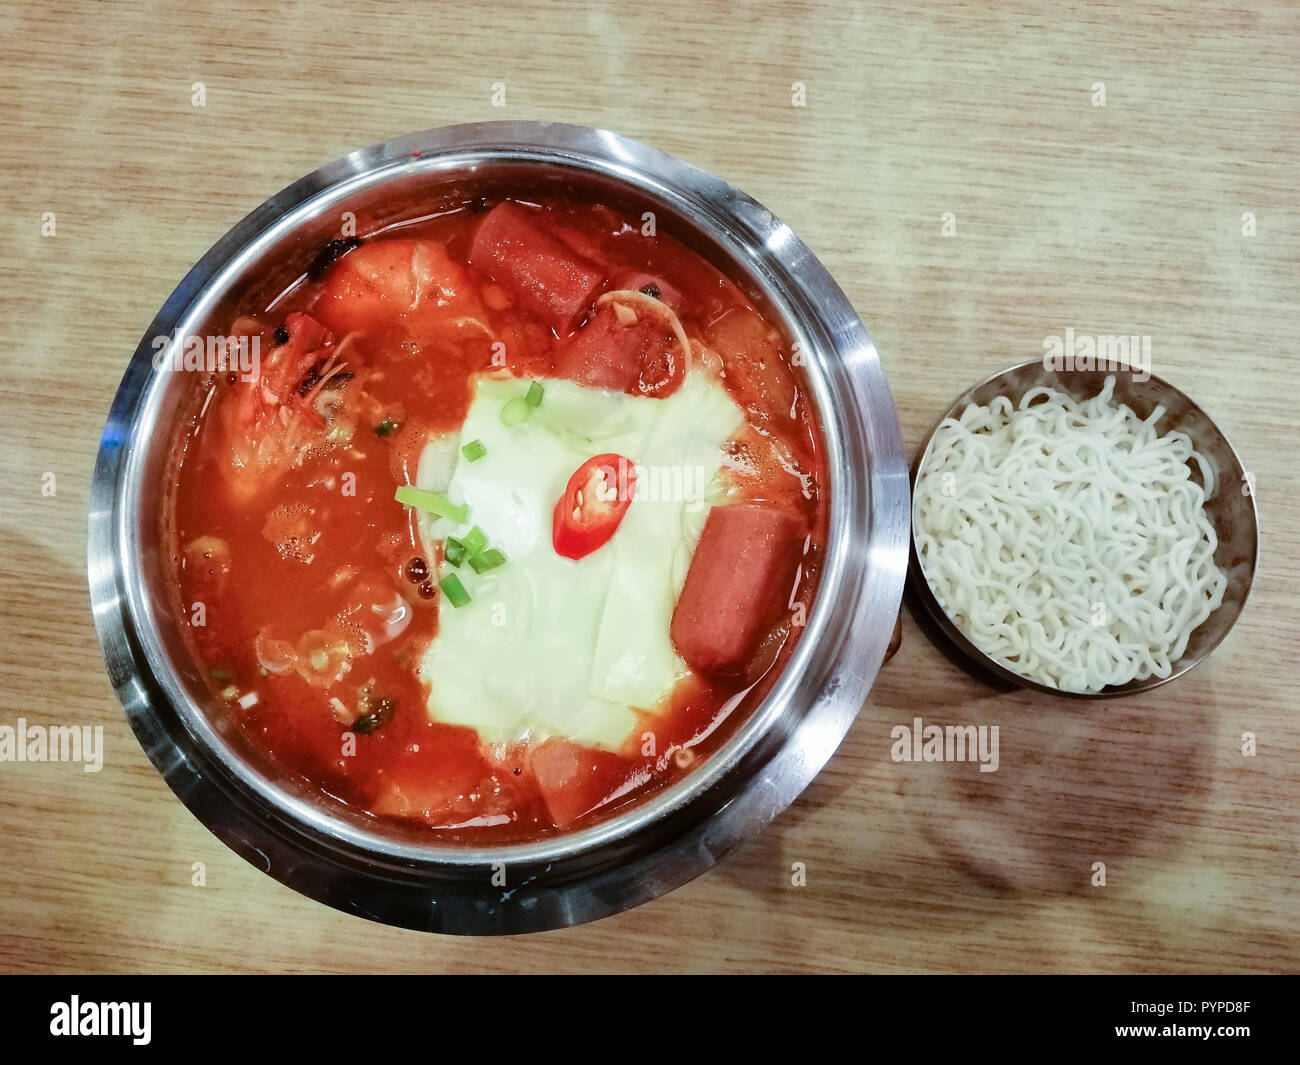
(318,603)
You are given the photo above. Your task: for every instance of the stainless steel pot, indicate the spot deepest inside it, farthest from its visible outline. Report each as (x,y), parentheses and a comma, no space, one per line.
(389,874)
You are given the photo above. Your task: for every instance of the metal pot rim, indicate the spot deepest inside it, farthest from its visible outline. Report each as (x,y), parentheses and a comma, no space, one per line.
(630,857)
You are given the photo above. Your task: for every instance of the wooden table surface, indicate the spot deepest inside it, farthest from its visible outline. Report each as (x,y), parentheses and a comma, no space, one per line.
(1125,218)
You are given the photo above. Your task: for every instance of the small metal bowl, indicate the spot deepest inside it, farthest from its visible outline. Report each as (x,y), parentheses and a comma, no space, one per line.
(383,872)
(1230,508)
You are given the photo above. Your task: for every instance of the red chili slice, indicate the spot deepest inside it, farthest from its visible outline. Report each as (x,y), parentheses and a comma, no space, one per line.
(593,504)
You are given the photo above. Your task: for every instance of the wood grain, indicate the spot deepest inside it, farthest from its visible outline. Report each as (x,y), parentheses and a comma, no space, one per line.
(1123,218)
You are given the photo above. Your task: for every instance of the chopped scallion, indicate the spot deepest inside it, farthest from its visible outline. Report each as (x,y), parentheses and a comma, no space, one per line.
(454,590)
(474,450)
(516,412)
(221,675)
(535,393)
(432,502)
(474,541)
(453,551)
(386,427)
(487,560)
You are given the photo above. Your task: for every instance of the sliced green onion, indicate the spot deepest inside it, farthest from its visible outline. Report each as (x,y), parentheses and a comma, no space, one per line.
(474,450)
(453,551)
(489,559)
(516,412)
(386,427)
(221,674)
(454,590)
(474,540)
(535,393)
(432,502)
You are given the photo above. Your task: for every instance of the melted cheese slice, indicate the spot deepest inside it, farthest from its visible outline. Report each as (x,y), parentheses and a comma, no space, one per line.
(550,646)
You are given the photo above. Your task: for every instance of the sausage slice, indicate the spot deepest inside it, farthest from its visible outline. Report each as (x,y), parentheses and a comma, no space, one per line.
(738,584)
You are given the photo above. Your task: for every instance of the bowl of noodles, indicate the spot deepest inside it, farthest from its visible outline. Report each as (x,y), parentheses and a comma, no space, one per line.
(1081,532)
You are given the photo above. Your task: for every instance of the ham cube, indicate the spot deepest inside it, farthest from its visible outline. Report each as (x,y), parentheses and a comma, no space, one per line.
(547,276)
(575,779)
(602,354)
